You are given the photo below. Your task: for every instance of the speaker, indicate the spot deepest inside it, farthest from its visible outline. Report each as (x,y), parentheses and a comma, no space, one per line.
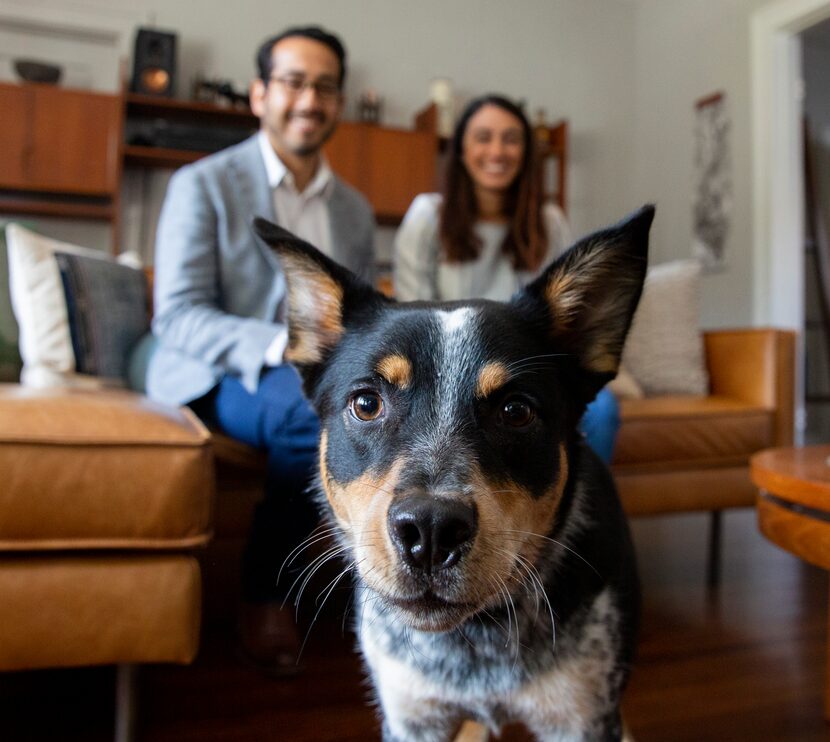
(154,62)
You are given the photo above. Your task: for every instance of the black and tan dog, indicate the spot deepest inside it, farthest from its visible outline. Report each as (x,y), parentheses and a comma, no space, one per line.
(495,573)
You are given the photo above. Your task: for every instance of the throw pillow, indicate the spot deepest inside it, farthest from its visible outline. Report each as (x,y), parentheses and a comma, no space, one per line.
(664,349)
(39,300)
(107,309)
(10,362)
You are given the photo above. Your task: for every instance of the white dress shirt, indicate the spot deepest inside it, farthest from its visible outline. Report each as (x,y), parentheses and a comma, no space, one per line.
(304,213)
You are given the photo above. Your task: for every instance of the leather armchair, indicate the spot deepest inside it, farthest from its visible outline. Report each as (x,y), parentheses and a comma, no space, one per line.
(684,453)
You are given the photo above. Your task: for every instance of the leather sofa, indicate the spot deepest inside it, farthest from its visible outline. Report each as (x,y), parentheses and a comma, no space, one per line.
(105,500)
(679,454)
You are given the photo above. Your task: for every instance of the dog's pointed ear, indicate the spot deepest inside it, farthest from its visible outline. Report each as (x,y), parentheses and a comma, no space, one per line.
(590,293)
(322,296)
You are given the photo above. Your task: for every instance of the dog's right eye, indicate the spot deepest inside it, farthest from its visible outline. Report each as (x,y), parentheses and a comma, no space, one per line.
(517,413)
(366,406)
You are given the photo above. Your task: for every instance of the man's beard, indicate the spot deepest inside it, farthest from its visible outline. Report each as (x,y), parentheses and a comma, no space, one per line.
(304,149)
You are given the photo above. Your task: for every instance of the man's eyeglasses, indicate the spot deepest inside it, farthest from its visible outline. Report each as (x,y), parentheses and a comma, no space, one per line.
(295,86)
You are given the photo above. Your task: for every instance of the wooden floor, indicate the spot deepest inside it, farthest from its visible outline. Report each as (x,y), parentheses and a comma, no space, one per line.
(746,663)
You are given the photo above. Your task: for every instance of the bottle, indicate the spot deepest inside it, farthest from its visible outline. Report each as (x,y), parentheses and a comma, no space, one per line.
(541,131)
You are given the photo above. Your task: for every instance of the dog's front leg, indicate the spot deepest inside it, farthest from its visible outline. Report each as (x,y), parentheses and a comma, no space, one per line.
(422,730)
(412,707)
(412,716)
(609,728)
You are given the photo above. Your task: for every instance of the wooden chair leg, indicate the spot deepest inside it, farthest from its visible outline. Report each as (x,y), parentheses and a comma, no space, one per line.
(126,702)
(713,566)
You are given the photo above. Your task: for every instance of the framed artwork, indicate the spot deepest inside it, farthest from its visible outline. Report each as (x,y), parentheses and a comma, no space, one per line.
(713,181)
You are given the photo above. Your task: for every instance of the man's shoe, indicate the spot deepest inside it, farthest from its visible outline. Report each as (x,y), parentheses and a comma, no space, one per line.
(269,640)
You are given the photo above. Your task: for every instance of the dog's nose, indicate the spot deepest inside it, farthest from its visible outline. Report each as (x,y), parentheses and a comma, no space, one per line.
(431,533)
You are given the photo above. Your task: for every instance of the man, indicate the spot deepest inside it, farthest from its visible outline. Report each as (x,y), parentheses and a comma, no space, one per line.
(219,301)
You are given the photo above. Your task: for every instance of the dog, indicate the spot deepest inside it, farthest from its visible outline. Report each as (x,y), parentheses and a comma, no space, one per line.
(495,575)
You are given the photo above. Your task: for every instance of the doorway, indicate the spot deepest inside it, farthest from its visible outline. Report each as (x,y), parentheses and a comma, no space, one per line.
(778,174)
(815,45)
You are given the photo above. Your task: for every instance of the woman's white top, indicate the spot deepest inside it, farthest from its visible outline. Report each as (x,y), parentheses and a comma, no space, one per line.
(421,271)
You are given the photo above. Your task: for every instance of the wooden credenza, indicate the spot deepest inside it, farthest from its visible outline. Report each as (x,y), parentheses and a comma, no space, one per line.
(60,151)
(389,166)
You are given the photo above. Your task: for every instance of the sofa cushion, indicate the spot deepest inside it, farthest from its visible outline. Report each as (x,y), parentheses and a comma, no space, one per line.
(61,610)
(103,469)
(668,432)
(664,348)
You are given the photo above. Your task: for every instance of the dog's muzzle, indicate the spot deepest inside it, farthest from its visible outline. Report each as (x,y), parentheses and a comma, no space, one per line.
(431,534)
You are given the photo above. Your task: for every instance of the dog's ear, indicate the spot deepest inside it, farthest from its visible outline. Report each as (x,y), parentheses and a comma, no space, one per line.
(322,296)
(589,294)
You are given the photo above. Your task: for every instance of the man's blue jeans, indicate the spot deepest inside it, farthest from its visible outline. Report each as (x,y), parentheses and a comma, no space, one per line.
(279,420)
(600,424)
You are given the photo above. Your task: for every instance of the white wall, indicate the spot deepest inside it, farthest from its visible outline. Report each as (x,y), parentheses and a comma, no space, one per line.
(685,50)
(575,58)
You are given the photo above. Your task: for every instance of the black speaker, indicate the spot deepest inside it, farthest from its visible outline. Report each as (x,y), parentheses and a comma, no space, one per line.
(154,62)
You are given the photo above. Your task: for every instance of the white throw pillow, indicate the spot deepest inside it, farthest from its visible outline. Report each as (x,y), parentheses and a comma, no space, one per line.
(625,386)
(39,304)
(664,349)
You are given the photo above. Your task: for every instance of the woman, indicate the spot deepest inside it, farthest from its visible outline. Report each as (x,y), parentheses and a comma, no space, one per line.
(489,233)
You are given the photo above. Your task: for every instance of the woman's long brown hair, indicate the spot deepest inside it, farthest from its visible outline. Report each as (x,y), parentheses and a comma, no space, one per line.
(526,240)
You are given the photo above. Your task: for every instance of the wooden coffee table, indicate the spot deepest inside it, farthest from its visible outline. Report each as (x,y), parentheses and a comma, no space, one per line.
(794,507)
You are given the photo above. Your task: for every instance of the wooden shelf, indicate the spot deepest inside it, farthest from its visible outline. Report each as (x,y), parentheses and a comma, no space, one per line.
(138,156)
(157,107)
(56,208)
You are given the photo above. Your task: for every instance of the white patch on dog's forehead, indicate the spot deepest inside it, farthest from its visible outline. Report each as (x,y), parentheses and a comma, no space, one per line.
(455,354)
(458,338)
(454,321)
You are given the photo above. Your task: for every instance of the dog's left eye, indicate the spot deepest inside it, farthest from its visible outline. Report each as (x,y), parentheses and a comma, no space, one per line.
(517,413)
(366,406)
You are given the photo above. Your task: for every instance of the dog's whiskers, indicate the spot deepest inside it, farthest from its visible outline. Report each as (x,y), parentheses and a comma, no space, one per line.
(318,564)
(346,612)
(510,609)
(315,537)
(554,541)
(522,568)
(328,590)
(539,587)
(310,570)
(518,362)
(460,630)
(531,368)
(489,615)
(413,650)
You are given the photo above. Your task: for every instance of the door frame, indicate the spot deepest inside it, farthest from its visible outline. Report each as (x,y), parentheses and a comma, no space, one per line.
(777,180)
